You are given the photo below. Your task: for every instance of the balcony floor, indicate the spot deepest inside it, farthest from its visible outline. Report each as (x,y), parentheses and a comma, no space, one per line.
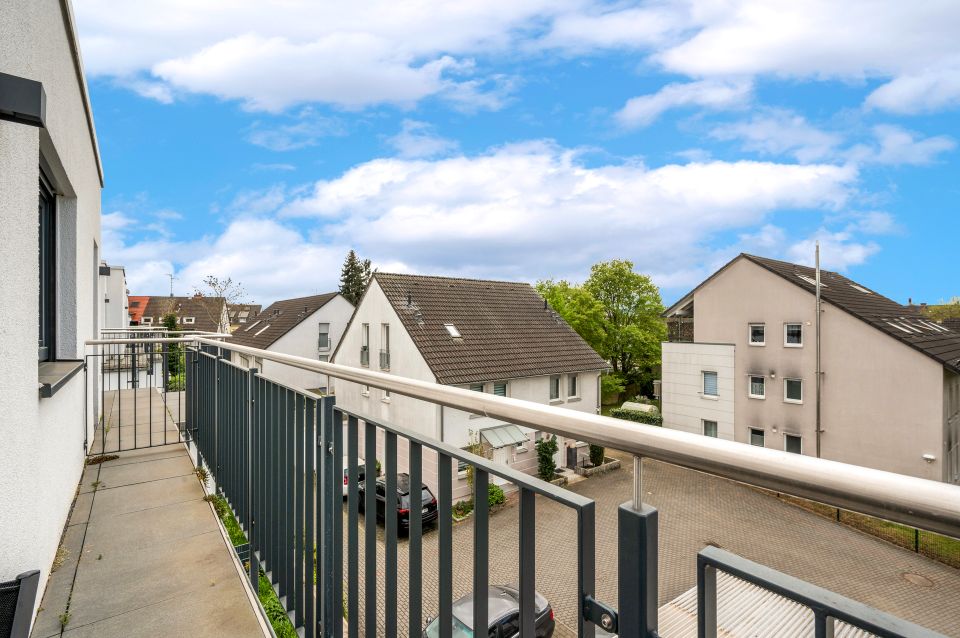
(146,557)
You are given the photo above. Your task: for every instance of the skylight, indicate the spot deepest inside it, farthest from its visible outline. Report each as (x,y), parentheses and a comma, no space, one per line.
(261,329)
(811,280)
(861,289)
(898,327)
(252,326)
(452,329)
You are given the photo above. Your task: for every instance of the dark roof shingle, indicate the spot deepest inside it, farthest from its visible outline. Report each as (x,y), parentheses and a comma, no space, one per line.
(278,319)
(207,312)
(904,323)
(506,332)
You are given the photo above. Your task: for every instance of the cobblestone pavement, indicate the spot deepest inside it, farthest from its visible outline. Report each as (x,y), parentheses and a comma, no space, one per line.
(695,510)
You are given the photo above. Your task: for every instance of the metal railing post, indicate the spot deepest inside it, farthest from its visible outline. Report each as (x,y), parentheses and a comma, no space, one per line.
(637,563)
(706,599)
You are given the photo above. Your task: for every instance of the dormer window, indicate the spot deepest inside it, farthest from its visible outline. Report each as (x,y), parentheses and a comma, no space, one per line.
(189,320)
(452,329)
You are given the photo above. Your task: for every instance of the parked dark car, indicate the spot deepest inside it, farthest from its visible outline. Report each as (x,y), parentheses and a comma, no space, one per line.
(503,610)
(428,503)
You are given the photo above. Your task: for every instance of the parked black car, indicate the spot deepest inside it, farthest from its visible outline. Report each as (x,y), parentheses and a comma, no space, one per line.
(503,610)
(428,503)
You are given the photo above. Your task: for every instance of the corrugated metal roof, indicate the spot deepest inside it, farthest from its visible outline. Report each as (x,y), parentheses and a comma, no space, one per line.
(745,610)
(503,435)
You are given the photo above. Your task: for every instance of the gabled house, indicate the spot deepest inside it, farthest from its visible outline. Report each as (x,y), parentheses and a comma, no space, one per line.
(889,395)
(488,336)
(242,313)
(306,327)
(208,314)
(114,308)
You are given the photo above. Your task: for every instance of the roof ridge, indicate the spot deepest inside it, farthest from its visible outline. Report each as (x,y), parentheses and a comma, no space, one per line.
(466,279)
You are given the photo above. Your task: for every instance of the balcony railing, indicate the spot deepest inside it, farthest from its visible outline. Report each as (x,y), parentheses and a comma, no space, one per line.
(384,359)
(276,454)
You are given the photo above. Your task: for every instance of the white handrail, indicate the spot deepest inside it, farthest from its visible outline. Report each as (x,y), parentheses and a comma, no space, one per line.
(922,503)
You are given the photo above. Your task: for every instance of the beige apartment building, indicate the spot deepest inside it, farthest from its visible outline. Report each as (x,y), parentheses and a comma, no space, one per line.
(890,379)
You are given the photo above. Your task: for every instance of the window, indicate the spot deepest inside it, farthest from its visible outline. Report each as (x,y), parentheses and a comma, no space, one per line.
(710,384)
(462,466)
(452,329)
(47,221)
(147,320)
(555,388)
(793,335)
(386,396)
(757,385)
(793,443)
(710,428)
(365,345)
(476,387)
(573,383)
(793,390)
(758,335)
(324,357)
(365,390)
(500,388)
(510,626)
(756,437)
(323,340)
(385,346)
(189,320)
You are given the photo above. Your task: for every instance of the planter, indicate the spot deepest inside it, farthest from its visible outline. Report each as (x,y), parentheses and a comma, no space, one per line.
(560,480)
(609,464)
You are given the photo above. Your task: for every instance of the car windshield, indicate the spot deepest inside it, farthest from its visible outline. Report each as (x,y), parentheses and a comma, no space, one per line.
(459,629)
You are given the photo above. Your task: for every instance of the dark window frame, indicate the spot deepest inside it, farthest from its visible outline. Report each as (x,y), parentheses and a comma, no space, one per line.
(47,262)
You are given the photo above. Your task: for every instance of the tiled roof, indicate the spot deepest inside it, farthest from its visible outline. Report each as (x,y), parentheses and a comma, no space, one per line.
(278,319)
(506,331)
(136,304)
(904,323)
(244,311)
(206,311)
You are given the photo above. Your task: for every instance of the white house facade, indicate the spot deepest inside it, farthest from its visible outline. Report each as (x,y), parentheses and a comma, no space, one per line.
(486,336)
(305,327)
(114,311)
(50,260)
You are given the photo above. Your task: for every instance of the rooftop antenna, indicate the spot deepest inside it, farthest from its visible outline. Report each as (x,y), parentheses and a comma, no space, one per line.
(170,275)
(819,371)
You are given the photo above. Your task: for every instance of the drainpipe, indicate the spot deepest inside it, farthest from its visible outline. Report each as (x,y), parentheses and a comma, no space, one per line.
(819,372)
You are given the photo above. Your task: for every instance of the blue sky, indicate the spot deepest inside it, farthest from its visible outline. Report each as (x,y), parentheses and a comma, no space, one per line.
(525,140)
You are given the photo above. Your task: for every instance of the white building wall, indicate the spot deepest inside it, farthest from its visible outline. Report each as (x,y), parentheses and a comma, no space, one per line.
(302,341)
(684,405)
(951,425)
(113,293)
(42,454)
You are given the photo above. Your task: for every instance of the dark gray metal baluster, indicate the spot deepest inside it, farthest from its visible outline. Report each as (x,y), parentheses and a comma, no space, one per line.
(706,600)
(637,567)
(415,546)
(309,451)
(298,513)
(390,532)
(353,536)
(586,565)
(332,609)
(253,475)
(370,530)
(481,548)
(445,533)
(528,564)
(289,473)
(336,506)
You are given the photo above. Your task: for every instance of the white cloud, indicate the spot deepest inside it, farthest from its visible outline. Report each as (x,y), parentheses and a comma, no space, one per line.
(417,139)
(838,250)
(779,132)
(534,209)
(928,90)
(900,146)
(306,129)
(710,94)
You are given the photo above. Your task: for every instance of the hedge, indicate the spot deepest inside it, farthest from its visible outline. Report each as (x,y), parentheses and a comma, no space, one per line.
(650,418)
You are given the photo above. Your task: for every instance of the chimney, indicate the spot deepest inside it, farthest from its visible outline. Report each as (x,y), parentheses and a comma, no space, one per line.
(409,299)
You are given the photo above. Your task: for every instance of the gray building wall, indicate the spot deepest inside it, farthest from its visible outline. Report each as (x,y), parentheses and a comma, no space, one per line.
(42,454)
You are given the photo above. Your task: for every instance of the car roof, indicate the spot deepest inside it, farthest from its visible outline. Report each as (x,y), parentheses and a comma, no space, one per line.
(501,601)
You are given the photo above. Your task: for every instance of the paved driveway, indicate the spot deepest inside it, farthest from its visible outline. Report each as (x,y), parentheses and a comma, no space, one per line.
(696,510)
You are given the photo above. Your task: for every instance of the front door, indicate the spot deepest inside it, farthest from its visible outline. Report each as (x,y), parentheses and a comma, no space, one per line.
(502,456)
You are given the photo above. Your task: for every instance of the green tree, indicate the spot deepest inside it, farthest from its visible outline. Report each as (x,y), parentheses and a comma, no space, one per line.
(632,326)
(175,358)
(546,450)
(354,277)
(578,307)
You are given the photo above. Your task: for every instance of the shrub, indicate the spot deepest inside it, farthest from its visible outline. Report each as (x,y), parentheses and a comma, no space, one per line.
(495,496)
(462,508)
(546,450)
(177,383)
(612,385)
(596,454)
(649,418)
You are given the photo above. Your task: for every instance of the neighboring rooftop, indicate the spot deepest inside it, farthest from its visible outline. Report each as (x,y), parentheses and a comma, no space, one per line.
(136,304)
(194,313)
(278,319)
(906,324)
(506,330)
(241,313)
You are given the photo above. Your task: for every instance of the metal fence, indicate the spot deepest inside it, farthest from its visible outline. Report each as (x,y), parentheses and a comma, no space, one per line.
(275,453)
